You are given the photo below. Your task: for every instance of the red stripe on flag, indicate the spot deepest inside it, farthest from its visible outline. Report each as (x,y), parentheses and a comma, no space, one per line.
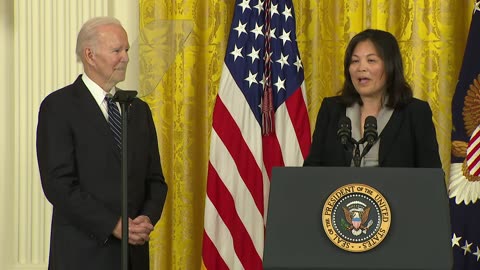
(225,205)
(297,109)
(475,136)
(211,258)
(231,136)
(472,165)
(272,153)
(473,151)
(472,141)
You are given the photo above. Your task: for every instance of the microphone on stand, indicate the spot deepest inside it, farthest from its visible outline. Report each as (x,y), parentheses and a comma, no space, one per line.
(370,129)
(370,134)
(344,133)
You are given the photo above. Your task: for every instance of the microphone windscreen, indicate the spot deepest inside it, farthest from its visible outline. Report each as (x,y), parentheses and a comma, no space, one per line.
(345,122)
(344,132)
(370,129)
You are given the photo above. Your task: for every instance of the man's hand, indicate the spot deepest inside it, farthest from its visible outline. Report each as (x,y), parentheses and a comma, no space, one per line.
(139,230)
(117,231)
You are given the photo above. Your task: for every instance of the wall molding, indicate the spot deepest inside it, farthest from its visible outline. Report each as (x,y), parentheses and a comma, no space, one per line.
(6,125)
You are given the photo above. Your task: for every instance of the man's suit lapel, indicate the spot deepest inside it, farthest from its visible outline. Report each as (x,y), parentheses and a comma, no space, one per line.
(389,133)
(88,107)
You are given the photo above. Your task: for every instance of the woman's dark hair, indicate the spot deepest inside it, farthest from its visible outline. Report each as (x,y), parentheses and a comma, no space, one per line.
(398,90)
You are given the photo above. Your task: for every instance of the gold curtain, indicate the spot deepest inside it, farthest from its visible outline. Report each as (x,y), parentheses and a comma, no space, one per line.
(182,45)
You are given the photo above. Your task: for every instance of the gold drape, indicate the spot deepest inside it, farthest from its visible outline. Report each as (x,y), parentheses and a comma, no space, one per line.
(182,46)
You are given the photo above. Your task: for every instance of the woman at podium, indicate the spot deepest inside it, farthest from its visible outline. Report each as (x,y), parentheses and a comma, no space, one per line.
(374,120)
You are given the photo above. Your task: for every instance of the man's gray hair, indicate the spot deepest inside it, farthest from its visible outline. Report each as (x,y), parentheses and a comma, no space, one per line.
(88,33)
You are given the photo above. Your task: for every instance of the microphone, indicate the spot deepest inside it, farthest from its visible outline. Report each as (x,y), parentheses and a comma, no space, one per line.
(124,96)
(370,133)
(344,133)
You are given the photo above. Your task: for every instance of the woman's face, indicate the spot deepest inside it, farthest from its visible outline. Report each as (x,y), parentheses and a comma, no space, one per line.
(367,71)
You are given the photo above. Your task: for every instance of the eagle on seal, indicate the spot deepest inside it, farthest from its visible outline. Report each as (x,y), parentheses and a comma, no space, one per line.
(357,219)
(465,177)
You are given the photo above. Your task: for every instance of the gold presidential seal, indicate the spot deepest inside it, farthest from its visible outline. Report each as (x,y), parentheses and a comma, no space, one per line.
(356,217)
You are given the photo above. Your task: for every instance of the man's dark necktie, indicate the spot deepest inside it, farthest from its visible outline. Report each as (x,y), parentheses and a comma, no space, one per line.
(114,120)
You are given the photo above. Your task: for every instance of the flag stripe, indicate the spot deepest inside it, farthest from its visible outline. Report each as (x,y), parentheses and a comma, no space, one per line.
(245,207)
(272,153)
(297,109)
(231,136)
(222,199)
(214,260)
(220,237)
(473,149)
(234,100)
(473,163)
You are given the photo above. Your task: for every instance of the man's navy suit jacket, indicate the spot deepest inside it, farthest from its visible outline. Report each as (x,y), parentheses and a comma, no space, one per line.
(80,172)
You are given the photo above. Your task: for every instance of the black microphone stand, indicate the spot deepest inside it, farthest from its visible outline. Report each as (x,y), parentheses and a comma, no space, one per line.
(357,157)
(124,98)
(370,136)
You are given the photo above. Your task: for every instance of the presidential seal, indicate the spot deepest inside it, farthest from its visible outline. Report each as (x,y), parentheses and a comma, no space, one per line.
(356,217)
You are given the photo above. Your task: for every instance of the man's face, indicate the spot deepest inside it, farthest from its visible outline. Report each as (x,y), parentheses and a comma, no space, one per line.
(109,61)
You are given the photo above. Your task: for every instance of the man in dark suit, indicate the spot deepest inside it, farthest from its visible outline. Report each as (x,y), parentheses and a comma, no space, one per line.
(79,160)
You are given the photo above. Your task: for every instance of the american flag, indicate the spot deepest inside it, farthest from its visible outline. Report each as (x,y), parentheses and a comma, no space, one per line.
(260,120)
(464,187)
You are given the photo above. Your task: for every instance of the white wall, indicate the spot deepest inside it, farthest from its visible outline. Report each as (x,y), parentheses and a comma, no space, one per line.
(37,56)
